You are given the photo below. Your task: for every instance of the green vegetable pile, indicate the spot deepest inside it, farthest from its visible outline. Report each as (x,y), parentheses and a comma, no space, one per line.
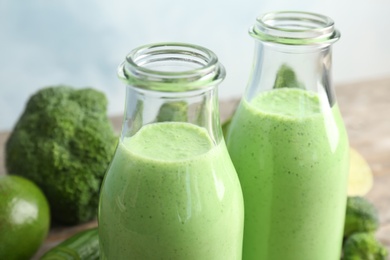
(361,221)
(64,142)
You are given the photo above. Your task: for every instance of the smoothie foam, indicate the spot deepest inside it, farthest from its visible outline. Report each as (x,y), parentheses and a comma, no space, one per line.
(291,156)
(170,193)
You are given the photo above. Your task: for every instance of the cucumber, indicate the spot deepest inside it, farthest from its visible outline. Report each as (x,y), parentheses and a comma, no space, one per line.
(82,246)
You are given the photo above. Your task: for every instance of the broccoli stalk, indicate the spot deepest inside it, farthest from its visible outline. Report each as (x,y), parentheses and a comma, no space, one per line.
(63,142)
(361,246)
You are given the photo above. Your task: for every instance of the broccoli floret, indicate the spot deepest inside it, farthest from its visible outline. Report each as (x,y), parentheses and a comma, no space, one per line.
(286,78)
(361,216)
(363,246)
(225,126)
(173,111)
(63,142)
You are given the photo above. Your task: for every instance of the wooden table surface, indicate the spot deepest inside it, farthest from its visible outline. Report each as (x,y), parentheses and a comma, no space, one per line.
(365,107)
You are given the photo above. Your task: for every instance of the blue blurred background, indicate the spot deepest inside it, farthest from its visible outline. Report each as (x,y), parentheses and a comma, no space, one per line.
(80,43)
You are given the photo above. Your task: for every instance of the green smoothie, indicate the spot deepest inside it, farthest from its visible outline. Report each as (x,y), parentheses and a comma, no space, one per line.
(171,193)
(291,156)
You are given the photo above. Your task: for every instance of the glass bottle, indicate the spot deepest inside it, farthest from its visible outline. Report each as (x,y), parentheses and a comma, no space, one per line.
(171,190)
(288,142)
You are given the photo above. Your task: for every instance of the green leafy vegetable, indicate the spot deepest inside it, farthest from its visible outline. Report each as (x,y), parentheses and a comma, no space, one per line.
(63,142)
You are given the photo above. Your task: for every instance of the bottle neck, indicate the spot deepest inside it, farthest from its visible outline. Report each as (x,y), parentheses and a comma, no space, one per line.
(144,107)
(172,82)
(171,67)
(294,50)
(276,66)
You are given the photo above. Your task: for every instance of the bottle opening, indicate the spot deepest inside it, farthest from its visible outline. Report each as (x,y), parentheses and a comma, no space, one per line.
(171,67)
(295,28)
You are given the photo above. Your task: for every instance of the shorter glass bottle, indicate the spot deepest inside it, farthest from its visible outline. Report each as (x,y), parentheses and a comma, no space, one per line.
(171,190)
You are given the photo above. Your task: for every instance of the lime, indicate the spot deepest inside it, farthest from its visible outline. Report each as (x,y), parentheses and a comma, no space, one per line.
(360,179)
(24,218)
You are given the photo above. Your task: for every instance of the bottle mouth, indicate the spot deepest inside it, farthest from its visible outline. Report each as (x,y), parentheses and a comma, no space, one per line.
(295,28)
(171,67)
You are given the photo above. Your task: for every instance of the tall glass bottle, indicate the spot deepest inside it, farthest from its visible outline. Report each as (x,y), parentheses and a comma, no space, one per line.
(171,190)
(288,142)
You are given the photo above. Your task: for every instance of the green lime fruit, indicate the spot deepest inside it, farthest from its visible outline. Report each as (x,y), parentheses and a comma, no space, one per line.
(360,179)
(24,218)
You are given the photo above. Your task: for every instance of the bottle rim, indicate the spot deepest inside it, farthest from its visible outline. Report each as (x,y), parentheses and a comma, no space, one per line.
(171,67)
(295,28)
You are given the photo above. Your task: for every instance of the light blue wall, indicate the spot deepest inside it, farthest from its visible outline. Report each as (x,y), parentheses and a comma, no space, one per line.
(81,42)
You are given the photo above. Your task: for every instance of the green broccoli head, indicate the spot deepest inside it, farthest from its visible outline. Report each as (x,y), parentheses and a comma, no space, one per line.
(286,78)
(173,111)
(363,246)
(63,142)
(361,216)
(225,126)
